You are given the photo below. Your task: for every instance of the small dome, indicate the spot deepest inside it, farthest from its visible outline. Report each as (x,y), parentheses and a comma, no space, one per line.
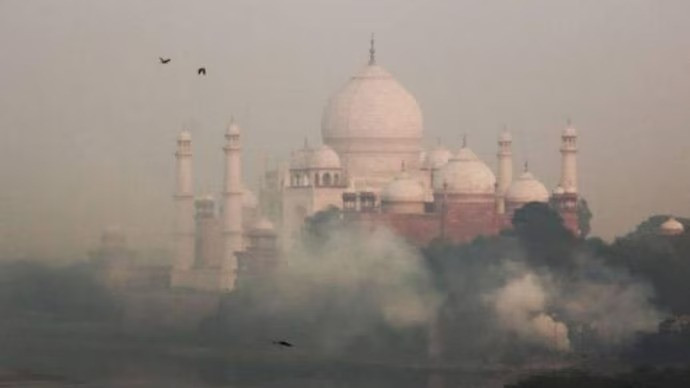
(438,157)
(465,174)
(184,136)
(559,190)
(527,189)
(324,157)
(249,199)
(672,226)
(403,189)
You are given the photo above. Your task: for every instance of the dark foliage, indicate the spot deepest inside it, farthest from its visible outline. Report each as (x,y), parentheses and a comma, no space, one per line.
(640,377)
(584,217)
(547,242)
(66,292)
(664,261)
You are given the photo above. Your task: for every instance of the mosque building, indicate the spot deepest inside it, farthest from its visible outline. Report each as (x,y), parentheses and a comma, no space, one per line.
(373,166)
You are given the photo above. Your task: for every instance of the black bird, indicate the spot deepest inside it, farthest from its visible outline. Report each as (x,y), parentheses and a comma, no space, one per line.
(283,343)
(164,60)
(201,71)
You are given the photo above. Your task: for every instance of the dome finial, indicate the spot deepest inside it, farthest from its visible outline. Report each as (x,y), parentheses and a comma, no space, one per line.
(306,142)
(372,51)
(568,121)
(464,140)
(526,167)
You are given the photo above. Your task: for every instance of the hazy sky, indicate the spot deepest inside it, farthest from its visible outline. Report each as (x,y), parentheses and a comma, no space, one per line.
(88,117)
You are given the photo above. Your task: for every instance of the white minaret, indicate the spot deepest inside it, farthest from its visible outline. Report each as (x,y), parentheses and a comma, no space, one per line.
(232,199)
(568,159)
(505,168)
(184,233)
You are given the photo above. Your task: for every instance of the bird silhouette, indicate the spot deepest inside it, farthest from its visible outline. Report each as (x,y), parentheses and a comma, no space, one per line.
(164,60)
(201,71)
(283,343)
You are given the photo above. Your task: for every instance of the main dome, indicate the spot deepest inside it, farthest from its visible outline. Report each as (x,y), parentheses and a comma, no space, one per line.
(372,105)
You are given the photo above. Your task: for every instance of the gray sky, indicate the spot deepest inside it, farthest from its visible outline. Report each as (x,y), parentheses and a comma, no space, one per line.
(88,117)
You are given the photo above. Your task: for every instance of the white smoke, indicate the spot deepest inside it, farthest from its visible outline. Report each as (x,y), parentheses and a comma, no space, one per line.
(610,302)
(520,308)
(362,275)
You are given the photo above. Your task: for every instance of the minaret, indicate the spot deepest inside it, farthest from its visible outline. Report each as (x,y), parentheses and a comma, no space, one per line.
(372,51)
(232,200)
(184,233)
(505,168)
(568,159)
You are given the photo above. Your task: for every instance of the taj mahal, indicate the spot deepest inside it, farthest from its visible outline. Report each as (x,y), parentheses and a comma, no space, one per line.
(371,165)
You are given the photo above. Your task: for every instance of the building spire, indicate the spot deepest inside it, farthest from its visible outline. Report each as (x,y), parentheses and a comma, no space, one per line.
(464,140)
(372,51)
(526,166)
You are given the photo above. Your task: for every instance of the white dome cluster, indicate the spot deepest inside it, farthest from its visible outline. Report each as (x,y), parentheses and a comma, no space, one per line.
(465,173)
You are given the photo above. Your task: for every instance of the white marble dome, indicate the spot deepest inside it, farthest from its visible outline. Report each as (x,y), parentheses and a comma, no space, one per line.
(527,189)
(372,105)
(403,189)
(438,157)
(324,157)
(465,173)
(672,226)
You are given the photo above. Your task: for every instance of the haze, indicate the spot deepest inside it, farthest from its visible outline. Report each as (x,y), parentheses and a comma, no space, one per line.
(88,116)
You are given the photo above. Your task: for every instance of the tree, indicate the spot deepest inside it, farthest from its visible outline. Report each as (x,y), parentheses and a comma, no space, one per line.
(584,217)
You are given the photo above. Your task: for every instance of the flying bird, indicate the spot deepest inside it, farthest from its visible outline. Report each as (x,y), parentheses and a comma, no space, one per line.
(201,71)
(283,343)
(164,60)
